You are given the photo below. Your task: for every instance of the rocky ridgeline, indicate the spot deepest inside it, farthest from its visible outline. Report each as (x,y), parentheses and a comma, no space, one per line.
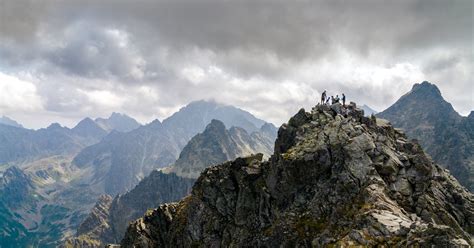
(336,178)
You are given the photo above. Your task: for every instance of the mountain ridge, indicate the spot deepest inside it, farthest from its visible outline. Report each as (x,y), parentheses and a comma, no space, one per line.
(135,154)
(10,122)
(447,136)
(336,178)
(214,145)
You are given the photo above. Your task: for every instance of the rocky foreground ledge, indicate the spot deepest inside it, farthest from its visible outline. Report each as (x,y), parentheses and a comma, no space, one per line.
(336,178)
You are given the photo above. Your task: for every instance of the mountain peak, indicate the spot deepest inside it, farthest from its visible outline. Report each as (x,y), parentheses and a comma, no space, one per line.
(445,135)
(337,178)
(55,126)
(86,122)
(155,123)
(7,121)
(119,122)
(423,103)
(119,116)
(195,116)
(89,128)
(216,145)
(115,114)
(268,127)
(426,89)
(216,125)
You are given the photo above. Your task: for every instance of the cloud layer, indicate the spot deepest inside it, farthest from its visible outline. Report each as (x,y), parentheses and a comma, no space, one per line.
(148,58)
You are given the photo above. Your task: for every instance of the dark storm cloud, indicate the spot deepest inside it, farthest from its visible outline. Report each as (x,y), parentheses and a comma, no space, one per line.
(288,29)
(93,52)
(19,20)
(167,53)
(300,29)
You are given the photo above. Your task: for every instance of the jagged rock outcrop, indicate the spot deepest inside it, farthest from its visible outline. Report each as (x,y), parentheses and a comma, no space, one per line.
(444,134)
(217,144)
(336,178)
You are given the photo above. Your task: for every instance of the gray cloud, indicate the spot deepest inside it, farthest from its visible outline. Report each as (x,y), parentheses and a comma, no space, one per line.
(255,54)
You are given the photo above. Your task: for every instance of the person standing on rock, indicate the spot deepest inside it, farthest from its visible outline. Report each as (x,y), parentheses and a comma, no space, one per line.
(323,97)
(343,100)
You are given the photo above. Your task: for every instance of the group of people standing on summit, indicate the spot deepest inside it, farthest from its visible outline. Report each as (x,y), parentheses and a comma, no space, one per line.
(333,99)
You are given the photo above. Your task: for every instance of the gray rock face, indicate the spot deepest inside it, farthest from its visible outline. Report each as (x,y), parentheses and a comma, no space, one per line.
(444,134)
(335,179)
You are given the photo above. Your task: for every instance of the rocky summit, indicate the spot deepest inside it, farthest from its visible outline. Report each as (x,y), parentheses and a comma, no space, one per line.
(444,134)
(335,178)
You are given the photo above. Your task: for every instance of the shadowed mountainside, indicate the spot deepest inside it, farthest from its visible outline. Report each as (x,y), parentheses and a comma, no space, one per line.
(444,134)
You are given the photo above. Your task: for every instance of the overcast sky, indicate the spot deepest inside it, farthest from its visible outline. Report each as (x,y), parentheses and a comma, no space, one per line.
(63,60)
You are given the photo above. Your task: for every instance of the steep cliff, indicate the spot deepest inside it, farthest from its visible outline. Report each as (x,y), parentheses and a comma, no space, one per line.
(336,178)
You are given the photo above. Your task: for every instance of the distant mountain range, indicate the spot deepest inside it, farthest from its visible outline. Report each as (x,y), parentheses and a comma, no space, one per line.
(121,160)
(20,145)
(50,178)
(68,169)
(214,145)
(444,134)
